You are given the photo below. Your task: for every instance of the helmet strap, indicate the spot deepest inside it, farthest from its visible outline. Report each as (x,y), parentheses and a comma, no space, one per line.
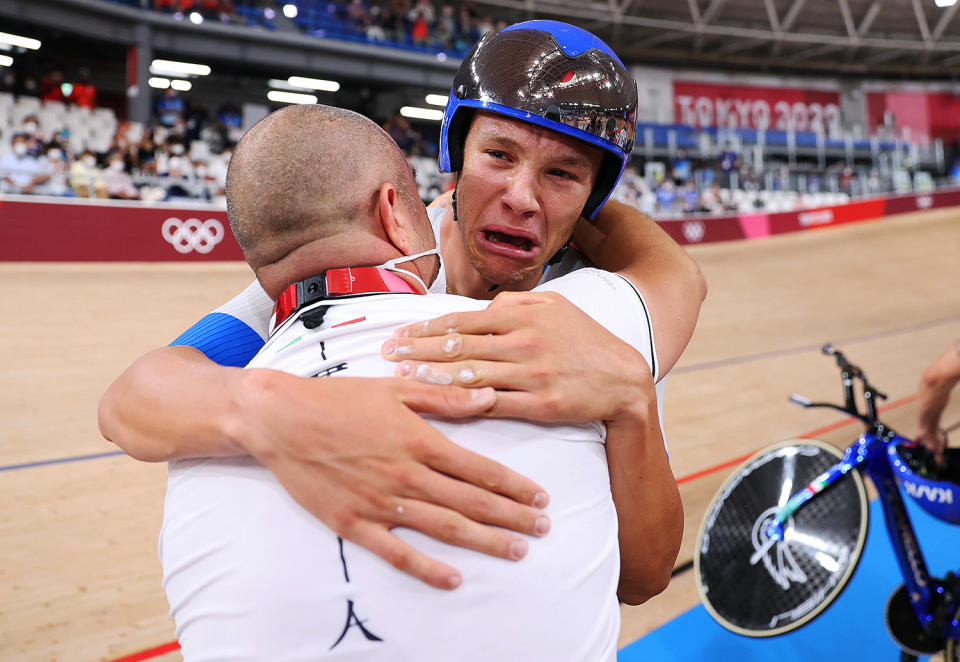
(559,254)
(456,219)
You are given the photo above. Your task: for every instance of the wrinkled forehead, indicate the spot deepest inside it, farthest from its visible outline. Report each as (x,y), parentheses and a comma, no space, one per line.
(547,143)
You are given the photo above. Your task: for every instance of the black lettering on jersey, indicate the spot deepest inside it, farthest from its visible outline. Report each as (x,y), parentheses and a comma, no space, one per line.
(329,371)
(323,350)
(353,620)
(343,560)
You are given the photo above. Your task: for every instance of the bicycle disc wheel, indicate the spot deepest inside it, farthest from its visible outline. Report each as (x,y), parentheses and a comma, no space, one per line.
(760,588)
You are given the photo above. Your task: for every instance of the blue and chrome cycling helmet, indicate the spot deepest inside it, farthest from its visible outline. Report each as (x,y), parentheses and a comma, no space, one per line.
(935,489)
(553,75)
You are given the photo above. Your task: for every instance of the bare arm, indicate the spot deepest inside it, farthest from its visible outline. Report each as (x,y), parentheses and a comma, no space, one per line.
(649,509)
(622,239)
(546,371)
(174,403)
(932,396)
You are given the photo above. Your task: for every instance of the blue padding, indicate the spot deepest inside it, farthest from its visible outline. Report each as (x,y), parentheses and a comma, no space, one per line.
(223,338)
(571,39)
(852,628)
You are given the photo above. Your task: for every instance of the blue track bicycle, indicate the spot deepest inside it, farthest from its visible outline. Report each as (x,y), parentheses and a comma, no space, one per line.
(783,536)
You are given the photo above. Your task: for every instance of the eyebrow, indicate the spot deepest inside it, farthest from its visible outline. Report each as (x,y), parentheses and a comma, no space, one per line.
(573,160)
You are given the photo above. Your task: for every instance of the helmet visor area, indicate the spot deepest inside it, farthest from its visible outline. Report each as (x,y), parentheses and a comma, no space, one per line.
(527,70)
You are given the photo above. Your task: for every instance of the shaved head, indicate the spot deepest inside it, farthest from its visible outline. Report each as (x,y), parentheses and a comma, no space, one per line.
(310,172)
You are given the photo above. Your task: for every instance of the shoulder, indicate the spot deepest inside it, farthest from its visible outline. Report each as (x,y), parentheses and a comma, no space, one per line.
(614,302)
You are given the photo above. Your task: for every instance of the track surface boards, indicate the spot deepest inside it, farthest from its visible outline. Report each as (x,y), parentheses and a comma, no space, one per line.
(79,575)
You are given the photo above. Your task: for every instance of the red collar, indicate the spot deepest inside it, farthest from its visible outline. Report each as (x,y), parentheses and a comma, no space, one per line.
(337,283)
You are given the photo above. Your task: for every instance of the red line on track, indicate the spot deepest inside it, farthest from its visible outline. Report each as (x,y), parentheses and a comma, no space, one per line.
(150,653)
(808,435)
(174,645)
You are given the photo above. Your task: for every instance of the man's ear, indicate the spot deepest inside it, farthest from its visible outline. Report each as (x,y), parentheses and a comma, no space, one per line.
(393,218)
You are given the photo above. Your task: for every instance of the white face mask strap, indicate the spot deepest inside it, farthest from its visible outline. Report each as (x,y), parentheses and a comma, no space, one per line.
(390,265)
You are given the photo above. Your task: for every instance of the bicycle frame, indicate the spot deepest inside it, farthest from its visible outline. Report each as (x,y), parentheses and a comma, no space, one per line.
(870,453)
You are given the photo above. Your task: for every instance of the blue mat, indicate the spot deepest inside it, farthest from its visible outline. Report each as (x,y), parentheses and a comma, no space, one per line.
(852,628)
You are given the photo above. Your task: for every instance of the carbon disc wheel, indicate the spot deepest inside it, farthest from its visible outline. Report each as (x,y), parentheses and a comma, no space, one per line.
(760,588)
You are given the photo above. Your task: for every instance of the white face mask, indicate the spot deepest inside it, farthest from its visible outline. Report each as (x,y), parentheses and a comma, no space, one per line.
(390,265)
(20,149)
(55,154)
(116,166)
(30,126)
(177,149)
(89,161)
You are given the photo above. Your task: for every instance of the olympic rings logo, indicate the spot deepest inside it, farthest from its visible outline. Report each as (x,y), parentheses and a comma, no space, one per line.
(192,234)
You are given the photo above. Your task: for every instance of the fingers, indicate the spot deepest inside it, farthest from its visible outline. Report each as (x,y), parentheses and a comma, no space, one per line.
(451,347)
(466,502)
(455,529)
(405,558)
(477,322)
(442,399)
(470,374)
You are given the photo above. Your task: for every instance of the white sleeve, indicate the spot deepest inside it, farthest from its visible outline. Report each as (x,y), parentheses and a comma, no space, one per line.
(253,307)
(615,303)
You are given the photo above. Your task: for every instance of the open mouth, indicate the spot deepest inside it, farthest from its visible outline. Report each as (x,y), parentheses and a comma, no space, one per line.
(515,241)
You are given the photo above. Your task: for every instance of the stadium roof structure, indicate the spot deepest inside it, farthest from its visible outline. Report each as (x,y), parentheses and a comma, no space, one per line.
(858,37)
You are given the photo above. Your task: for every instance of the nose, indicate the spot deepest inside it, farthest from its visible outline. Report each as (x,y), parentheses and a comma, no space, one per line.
(522,193)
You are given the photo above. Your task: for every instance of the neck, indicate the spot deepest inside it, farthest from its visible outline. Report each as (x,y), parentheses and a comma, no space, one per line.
(313,257)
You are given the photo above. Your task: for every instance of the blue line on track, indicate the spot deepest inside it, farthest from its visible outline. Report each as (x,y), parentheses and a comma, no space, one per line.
(62,460)
(760,356)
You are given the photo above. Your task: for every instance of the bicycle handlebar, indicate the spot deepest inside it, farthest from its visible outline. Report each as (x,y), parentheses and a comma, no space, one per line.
(848,374)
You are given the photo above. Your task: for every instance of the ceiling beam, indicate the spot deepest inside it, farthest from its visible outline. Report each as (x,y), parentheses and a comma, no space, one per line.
(815,51)
(589,12)
(772,15)
(922,22)
(869,17)
(694,10)
(712,10)
(944,21)
(848,20)
(737,47)
(791,15)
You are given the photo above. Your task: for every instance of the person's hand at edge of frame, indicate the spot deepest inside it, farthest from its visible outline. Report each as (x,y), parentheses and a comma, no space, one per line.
(396,470)
(548,360)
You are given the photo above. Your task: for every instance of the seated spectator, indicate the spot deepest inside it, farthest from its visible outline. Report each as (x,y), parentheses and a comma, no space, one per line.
(21,171)
(58,172)
(374,29)
(179,173)
(35,137)
(445,29)
(218,171)
(419,31)
(84,92)
(666,196)
(681,168)
(358,14)
(8,82)
(30,87)
(85,175)
(147,155)
(117,183)
(691,198)
(51,86)
(169,108)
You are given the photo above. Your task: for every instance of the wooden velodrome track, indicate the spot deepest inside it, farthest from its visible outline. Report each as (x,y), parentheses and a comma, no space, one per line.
(79,575)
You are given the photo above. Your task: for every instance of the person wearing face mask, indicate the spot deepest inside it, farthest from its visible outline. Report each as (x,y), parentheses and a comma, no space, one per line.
(21,171)
(85,177)
(117,182)
(56,164)
(36,138)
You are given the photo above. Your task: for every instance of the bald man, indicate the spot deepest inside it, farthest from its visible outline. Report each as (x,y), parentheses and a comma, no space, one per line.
(251,575)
